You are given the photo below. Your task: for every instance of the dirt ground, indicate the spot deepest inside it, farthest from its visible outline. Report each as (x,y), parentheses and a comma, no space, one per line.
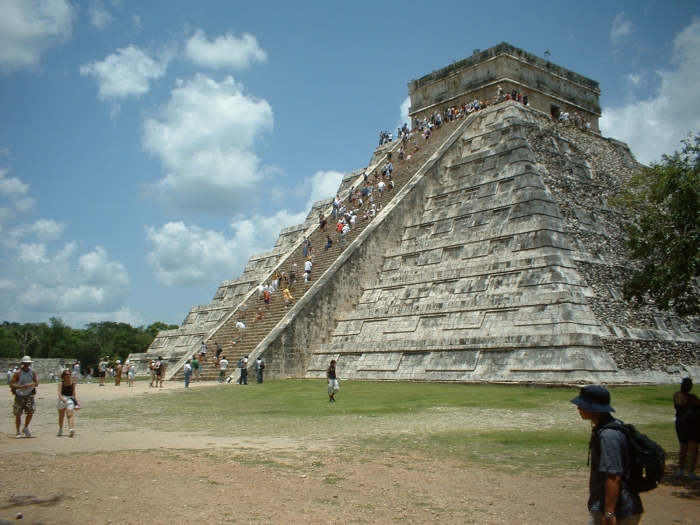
(109,476)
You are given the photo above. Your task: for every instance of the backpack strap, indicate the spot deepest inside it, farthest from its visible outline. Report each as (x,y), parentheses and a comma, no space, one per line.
(595,436)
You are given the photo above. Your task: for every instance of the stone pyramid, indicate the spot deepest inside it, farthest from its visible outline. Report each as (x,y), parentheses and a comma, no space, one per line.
(498,258)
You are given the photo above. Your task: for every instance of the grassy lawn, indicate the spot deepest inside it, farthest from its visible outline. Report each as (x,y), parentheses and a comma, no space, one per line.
(502,427)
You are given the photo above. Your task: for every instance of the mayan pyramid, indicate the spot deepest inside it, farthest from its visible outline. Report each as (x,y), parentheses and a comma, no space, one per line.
(497,257)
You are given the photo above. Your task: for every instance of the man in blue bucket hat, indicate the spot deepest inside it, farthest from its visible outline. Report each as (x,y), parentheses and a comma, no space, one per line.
(610,501)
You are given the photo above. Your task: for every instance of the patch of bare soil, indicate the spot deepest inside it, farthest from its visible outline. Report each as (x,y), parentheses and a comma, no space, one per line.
(105,477)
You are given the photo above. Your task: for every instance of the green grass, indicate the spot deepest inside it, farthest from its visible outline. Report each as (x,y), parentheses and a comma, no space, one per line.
(502,427)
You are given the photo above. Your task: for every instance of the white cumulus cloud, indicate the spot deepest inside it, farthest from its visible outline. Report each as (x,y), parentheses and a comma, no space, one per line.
(224,51)
(126,73)
(50,284)
(99,16)
(204,137)
(16,191)
(621,27)
(39,282)
(186,255)
(322,185)
(29,28)
(658,124)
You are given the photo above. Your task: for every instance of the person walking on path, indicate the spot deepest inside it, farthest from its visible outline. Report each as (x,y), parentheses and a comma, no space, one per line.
(687,407)
(66,402)
(23,386)
(187,371)
(223,367)
(118,370)
(102,369)
(332,381)
(160,370)
(130,373)
(610,501)
(259,367)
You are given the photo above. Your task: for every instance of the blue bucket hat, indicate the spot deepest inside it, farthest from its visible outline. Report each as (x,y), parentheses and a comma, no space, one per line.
(593,398)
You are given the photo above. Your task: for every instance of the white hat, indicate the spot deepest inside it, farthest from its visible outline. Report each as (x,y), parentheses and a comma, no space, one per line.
(118,362)
(27,359)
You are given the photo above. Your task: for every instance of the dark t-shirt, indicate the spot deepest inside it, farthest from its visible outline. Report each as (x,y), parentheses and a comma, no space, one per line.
(610,455)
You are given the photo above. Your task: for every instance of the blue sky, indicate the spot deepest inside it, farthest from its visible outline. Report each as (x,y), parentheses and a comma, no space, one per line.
(148,149)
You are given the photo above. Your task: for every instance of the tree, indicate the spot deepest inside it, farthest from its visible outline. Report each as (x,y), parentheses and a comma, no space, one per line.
(156,327)
(664,231)
(28,336)
(9,345)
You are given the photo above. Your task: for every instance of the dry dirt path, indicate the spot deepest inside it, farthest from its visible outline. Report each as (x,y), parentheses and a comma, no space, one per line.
(111,474)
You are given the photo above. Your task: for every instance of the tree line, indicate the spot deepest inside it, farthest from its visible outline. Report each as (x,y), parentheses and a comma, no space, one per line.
(88,345)
(663,203)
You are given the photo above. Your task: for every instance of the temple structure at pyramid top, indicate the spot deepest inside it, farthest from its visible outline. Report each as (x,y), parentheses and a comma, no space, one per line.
(493,254)
(549,88)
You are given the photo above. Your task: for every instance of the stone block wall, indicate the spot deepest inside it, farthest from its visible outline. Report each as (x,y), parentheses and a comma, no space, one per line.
(478,76)
(43,367)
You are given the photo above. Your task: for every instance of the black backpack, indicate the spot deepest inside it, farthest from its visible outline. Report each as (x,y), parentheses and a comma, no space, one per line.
(240,363)
(647,459)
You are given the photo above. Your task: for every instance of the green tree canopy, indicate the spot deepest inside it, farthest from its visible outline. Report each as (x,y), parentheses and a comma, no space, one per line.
(89,345)
(664,232)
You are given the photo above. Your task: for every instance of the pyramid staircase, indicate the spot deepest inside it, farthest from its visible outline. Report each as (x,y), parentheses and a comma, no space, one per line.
(236,344)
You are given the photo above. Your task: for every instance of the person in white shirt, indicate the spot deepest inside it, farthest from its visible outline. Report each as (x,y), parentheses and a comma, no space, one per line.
(223,367)
(187,371)
(307,271)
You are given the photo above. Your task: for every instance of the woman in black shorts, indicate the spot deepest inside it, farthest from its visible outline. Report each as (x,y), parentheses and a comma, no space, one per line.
(687,407)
